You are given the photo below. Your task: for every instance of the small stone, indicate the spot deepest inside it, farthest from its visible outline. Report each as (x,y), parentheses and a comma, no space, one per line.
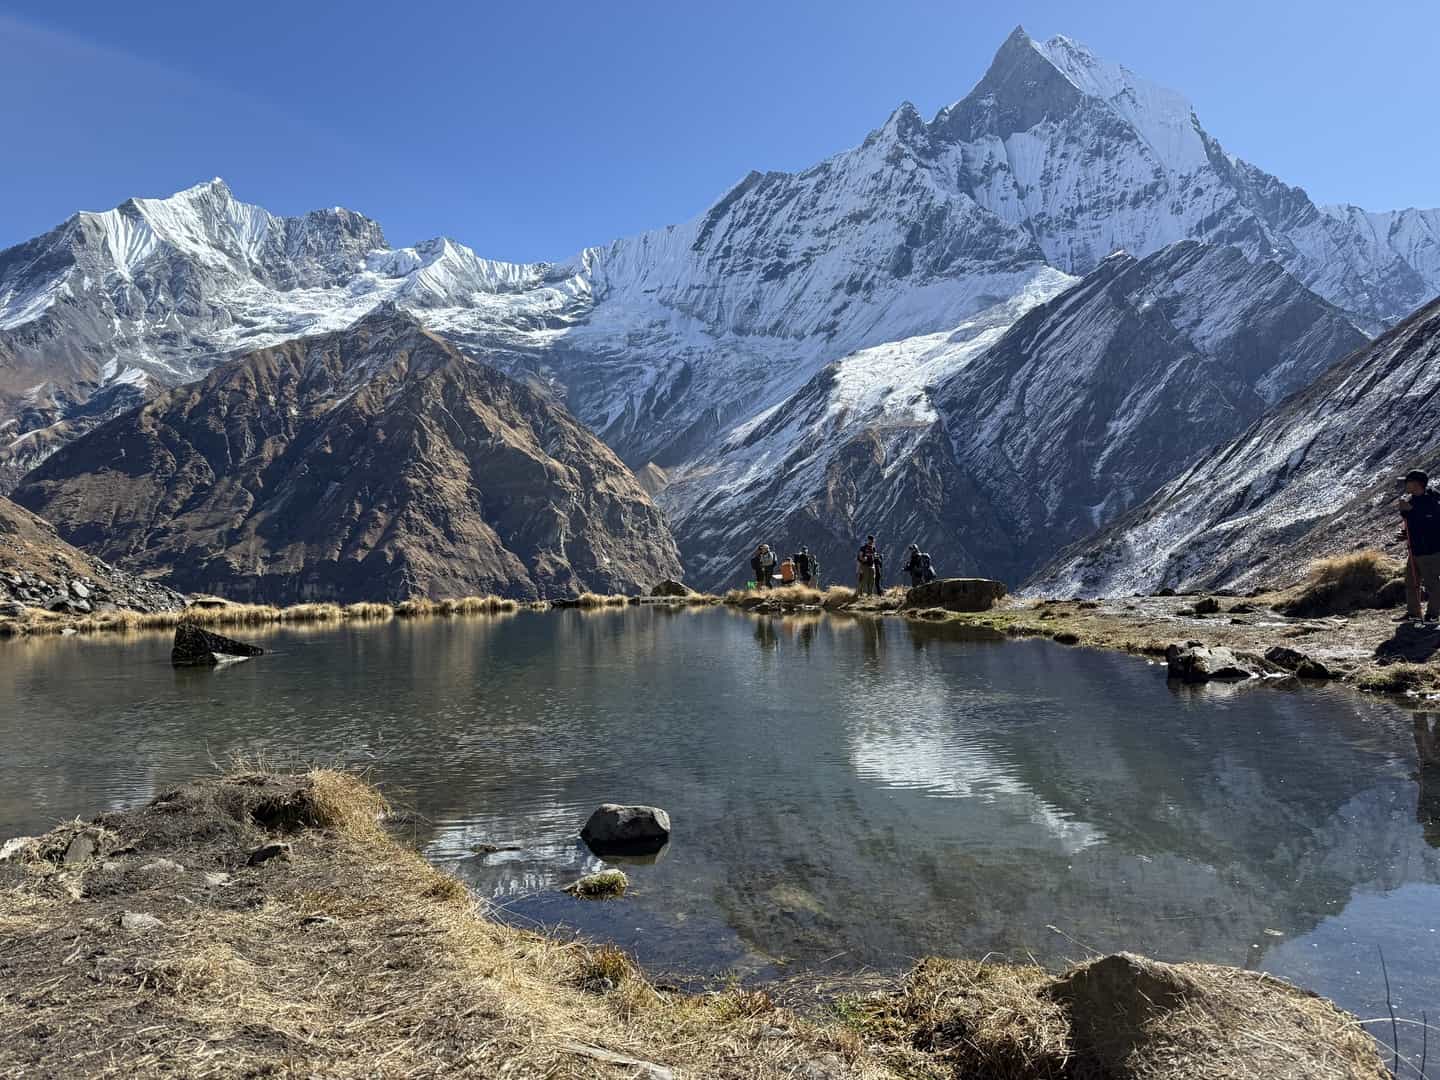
(82,848)
(215,879)
(79,590)
(163,866)
(266,852)
(138,922)
(318,920)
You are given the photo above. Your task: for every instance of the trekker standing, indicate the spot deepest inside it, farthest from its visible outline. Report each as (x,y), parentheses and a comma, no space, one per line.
(1421,511)
(865,567)
(879,571)
(915,566)
(763,563)
(804,565)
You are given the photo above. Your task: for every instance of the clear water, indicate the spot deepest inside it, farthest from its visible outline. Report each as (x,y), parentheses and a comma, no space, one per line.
(844,794)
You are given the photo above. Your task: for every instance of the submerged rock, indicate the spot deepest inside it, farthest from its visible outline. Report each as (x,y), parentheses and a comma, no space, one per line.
(626,828)
(956,594)
(1196,663)
(196,646)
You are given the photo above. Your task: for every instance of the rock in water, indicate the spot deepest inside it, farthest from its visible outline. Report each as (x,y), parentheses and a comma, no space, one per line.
(196,646)
(602,885)
(956,594)
(626,829)
(670,587)
(1298,663)
(1196,663)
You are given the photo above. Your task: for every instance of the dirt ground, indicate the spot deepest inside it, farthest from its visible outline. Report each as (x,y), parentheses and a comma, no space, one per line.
(262,925)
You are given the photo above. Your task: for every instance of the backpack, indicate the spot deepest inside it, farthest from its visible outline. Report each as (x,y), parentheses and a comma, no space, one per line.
(927,572)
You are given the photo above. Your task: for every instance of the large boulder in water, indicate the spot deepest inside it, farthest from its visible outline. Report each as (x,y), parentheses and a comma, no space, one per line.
(1197,663)
(615,828)
(196,646)
(670,588)
(956,594)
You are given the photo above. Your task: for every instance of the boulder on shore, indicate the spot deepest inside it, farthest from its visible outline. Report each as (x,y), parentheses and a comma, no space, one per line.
(670,587)
(956,594)
(1197,663)
(1298,663)
(618,828)
(196,646)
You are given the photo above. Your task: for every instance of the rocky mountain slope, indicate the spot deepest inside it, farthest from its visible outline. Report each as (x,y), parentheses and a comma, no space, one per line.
(678,343)
(375,462)
(1312,477)
(1023,429)
(38,569)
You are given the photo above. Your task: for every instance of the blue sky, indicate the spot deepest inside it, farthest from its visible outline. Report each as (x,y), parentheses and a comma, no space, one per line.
(528,131)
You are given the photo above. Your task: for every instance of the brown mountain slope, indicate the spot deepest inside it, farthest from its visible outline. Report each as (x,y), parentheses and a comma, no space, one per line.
(376,462)
(38,569)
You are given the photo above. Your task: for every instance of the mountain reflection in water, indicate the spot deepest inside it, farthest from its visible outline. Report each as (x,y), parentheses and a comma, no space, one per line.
(844,792)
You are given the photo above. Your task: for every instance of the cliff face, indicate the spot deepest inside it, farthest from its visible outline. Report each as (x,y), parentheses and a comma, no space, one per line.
(377,462)
(1313,476)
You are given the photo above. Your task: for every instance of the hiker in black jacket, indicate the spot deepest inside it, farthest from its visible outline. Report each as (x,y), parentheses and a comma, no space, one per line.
(915,566)
(805,566)
(1421,510)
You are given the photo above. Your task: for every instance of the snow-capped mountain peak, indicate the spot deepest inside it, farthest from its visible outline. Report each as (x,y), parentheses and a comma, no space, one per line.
(1163,117)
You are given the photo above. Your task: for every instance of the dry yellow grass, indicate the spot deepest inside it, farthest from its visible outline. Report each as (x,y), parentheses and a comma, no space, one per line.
(595,600)
(355,958)
(369,611)
(1342,584)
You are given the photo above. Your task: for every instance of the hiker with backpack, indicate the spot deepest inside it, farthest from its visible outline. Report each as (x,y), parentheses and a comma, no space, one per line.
(807,569)
(763,564)
(1420,510)
(918,567)
(865,567)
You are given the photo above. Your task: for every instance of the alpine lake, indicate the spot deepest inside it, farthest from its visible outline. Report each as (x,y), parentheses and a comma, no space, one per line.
(847,794)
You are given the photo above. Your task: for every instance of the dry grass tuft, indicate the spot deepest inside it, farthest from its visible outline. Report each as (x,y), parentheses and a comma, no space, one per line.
(1399,678)
(1342,584)
(369,611)
(980,1019)
(346,803)
(598,600)
(312,613)
(837,597)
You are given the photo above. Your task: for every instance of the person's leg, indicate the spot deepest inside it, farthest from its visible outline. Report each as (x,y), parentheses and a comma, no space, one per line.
(1412,589)
(1430,578)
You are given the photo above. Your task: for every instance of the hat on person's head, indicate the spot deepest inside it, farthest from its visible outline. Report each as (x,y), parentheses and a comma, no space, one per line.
(1420,476)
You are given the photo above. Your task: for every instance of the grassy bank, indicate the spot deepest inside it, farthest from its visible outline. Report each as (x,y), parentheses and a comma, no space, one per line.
(161,941)
(212,611)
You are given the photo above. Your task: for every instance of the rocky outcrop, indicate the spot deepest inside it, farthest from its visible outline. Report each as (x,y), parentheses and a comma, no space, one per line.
(374,463)
(195,646)
(616,828)
(671,588)
(955,594)
(1196,663)
(40,570)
